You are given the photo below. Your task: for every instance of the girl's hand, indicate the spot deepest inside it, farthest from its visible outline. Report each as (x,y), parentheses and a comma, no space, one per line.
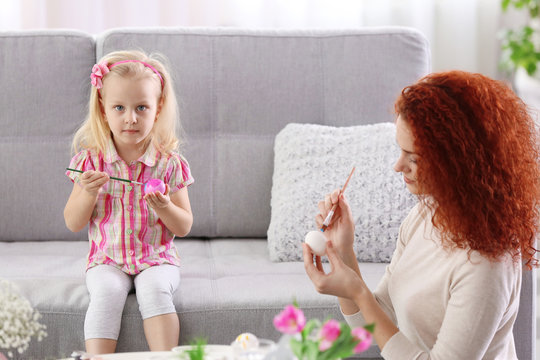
(341,281)
(157,200)
(340,231)
(92,181)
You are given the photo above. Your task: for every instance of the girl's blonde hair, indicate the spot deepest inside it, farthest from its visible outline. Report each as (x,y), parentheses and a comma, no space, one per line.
(166,133)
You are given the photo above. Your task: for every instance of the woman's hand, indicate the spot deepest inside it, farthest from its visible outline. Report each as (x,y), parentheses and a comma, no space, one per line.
(353,294)
(157,200)
(340,231)
(92,181)
(341,281)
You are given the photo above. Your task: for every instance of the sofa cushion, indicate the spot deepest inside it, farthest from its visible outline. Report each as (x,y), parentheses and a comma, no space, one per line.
(227,286)
(45,77)
(313,160)
(237,88)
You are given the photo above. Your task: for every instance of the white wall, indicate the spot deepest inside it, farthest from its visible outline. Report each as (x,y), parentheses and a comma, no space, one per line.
(462,33)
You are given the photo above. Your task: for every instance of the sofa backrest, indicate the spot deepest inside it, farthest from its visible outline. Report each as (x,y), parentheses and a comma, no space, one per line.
(45,89)
(237,89)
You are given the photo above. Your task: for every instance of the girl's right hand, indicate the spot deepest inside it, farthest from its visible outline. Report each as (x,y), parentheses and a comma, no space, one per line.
(341,228)
(92,181)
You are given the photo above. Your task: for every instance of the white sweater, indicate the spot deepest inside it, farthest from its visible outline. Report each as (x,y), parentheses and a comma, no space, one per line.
(446,305)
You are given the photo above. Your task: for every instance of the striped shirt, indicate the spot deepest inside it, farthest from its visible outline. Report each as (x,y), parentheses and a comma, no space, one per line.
(124,231)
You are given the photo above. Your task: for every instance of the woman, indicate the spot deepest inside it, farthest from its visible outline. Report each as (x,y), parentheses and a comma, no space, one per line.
(469,151)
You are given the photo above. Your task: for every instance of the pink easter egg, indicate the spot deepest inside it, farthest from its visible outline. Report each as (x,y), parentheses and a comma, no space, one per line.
(154,185)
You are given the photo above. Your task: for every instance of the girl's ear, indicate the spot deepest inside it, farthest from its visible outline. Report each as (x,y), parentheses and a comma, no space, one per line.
(102,109)
(160,105)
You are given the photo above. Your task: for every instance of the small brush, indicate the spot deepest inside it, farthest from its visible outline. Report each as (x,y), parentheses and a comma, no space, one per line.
(326,221)
(112,177)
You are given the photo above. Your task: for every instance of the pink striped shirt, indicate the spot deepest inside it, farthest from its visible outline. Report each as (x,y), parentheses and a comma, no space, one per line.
(124,231)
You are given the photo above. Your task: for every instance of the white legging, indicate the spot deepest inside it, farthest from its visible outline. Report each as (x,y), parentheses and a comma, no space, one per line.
(109,287)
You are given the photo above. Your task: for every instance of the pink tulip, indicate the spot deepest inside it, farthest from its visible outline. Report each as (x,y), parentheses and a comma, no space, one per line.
(330,331)
(364,337)
(290,321)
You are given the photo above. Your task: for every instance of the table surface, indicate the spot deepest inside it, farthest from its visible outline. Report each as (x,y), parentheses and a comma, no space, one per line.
(143,355)
(214,352)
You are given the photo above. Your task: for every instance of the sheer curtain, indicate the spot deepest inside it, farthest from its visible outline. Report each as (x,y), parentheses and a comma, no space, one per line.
(462,33)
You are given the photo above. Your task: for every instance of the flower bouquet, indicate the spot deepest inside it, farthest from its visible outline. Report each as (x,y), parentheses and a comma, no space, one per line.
(313,340)
(18,321)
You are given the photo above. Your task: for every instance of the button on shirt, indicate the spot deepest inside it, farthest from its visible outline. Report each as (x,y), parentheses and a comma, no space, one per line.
(123,230)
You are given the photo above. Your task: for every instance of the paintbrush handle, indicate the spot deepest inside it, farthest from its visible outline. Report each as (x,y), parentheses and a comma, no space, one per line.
(328,218)
(347,181)
(112,177)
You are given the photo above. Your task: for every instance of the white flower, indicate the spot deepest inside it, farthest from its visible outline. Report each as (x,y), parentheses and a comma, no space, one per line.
(18,321)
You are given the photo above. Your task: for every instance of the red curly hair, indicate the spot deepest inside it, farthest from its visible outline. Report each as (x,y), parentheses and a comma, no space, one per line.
(478,162)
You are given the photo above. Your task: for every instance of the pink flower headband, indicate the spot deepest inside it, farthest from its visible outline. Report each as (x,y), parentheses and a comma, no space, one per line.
(101,69)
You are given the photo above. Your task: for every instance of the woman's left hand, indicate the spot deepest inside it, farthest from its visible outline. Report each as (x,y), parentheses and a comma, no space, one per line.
(341,281)
(157,200)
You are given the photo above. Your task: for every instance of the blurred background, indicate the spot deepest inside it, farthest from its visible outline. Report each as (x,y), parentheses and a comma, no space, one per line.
(464,34)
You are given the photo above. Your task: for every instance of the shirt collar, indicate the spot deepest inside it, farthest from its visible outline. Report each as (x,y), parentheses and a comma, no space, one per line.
(148,158)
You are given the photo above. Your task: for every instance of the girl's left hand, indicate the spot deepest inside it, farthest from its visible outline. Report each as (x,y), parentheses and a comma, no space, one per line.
(157,200)
(341,281)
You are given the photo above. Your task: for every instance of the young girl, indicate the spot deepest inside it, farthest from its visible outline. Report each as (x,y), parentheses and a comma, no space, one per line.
(469,151)
(130,133)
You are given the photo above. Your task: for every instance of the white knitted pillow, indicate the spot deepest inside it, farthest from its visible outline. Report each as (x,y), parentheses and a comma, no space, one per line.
(313,160)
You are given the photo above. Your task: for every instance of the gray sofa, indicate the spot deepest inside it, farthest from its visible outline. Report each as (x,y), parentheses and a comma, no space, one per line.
(237,89)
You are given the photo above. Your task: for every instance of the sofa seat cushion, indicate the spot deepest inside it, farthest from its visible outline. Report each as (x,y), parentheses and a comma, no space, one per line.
(227,286)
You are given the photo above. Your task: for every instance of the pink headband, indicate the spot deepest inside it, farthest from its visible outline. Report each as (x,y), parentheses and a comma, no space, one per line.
(101,69)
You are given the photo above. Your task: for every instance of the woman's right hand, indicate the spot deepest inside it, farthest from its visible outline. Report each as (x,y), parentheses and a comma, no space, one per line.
(341,228)
(92,181)
(340,281)
(340,251)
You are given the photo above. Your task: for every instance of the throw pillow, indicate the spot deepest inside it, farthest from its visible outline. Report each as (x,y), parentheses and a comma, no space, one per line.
(313,160)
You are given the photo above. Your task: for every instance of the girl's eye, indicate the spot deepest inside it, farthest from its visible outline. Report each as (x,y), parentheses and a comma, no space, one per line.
(119,108)
(412,160)
(141,108)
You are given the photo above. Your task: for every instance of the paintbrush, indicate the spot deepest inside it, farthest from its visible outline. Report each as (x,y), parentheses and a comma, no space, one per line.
(112,177)
(326,221)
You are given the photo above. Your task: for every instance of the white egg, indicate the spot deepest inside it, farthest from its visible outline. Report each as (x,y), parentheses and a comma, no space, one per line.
(316,241)
(245,341)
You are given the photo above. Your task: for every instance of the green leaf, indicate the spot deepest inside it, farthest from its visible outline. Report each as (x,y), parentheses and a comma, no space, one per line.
(531,68)
(310,326)
(370,327)
(341,348)
(311,350)
(534,11)
(530,5)
(197,351)
(296,348)
(519,50)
